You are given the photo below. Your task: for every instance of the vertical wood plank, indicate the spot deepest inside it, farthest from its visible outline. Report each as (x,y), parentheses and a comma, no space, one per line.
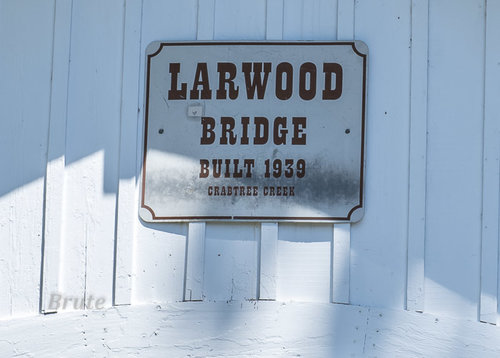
(345,20)
(54,182)
(454,158)
(341,263)
(159,256)
(240,20)
(195,261)
(304,262)
(341,240)
(26,38)
(231,265)
(231,249)
(269,231)
(195,242)
(100,260)
(274,19)
(378,242)
(491,168)
(92,137)
(206,14)
(310,20)
(268,260)
(304,251)
(292,20)
(126,211)
(24,88)
(418,155)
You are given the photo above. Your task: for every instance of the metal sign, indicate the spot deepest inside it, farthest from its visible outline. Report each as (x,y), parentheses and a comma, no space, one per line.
(254,131)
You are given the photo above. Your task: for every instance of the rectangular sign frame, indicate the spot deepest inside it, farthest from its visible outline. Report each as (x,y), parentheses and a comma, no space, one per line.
(156,185)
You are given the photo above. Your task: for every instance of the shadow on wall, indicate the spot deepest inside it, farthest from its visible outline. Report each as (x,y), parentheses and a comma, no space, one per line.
(85,108)
(92,111)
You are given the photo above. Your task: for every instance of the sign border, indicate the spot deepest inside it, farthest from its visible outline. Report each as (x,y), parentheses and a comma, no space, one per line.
(354,215)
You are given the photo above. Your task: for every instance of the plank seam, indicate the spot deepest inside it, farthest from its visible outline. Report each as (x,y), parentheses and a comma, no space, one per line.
(482,295)
(417,158)
(48,247)
(200,239)
(127,187)
(44,207)
(117,203)
(269,231)
(340,262)
(490,205)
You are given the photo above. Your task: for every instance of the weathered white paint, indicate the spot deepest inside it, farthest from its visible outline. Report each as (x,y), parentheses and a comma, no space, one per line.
(160,249)
(26,38)
(230,262)
(54,177)
(341,239)
(310,20)
(454,158)
(378,242)
(303,263)
(428,240)
(92,137)
(247,329)
(304,260)
(274,20)
(491,168)
(240,20)
(418,155)
(205,26)
(341,257)
(267,261)
(268,244)
(130,124)
(195,262)
(195,243)
(345,20)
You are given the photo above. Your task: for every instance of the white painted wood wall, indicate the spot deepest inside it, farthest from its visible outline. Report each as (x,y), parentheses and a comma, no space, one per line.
(71,99)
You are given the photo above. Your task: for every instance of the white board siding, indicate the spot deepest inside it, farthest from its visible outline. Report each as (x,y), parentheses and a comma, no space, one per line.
(195,241)
(303,262)
(160,249)
(240,20)
(54,177)
(231,250)
(230,262)
(310,20)
(341,238)
(268,244)
(247,329)
(26,35)
(130,124)
(454,161)
(341,263)
(491,168)
(268,256)
(274,20)
(378,242)
(427,181)
(345,20)
(195,262)
(418,156)
(304,266)
(92,137)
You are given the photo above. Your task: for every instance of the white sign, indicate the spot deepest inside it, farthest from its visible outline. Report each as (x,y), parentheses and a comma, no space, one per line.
(254,131)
